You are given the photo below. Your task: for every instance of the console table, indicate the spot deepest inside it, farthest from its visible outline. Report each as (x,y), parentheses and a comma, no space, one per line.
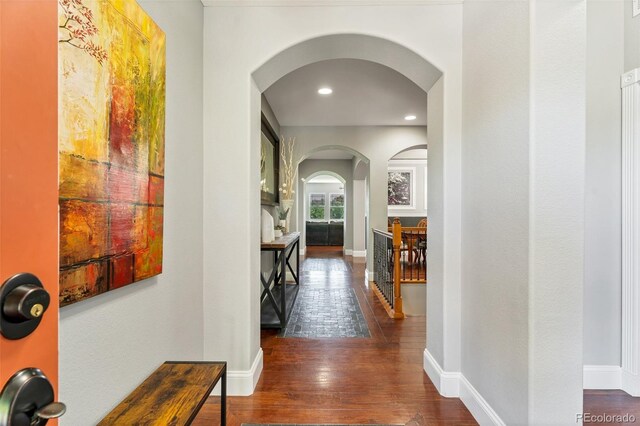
(278,297)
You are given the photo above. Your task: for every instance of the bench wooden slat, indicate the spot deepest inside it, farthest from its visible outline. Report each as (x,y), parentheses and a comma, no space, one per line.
(171,395)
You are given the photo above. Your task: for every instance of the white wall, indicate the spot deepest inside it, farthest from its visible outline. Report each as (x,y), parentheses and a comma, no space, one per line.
(523,235)
(631,37)
(435,258)
(420,200)
(110,343)
(556,240)
(495,164)
(602,272)
(359,230)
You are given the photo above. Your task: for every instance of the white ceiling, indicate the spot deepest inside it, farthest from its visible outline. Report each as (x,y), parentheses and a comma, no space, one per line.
(412,154)
(364,94)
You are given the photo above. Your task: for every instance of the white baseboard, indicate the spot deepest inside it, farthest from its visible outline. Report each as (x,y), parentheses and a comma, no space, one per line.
(243,382)
(602,377)
(302,250)
(359,253)
(630,383)
(348,252)
(477,405)
(606,377)
(454,384)
(369,275)
(447,383)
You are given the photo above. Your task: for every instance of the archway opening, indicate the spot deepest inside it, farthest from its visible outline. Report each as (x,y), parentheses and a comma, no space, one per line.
(286,83)
(407,199)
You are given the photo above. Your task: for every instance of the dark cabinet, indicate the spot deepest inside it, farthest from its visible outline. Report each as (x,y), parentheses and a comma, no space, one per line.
(336,234)
(325,233)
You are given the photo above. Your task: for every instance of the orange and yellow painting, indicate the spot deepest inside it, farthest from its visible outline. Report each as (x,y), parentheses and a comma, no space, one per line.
(111,146)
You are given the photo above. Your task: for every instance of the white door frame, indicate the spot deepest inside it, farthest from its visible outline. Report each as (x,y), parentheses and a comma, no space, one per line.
(630,358)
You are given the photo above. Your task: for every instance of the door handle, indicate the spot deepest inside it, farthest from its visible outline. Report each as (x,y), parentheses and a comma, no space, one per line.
(27,400)
(23,302)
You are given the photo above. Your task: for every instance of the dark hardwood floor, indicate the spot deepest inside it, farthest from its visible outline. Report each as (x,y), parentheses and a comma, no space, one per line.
(358,380)
(612,403)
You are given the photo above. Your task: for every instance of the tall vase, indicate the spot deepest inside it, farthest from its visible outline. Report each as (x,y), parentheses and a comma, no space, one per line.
(287,204)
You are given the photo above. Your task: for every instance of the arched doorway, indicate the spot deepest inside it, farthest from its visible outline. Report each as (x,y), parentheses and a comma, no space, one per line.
(281,56)
(429,79)
(351,168)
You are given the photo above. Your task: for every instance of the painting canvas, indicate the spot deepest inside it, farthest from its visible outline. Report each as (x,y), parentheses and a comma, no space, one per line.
(111,146)
(269,162)
(400,188)
(267,175)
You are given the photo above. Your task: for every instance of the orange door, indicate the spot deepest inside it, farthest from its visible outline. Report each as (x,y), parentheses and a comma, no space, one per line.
(29,171)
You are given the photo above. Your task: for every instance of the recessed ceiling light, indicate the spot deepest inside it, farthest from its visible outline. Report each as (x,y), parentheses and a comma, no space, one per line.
(410,117)
(325,91)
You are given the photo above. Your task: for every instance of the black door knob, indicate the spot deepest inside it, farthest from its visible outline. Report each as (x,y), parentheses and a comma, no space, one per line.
(23,302)
(27,399)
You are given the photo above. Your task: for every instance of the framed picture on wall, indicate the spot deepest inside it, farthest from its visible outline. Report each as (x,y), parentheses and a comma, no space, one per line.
(269,164)
(636,8)
(401,187)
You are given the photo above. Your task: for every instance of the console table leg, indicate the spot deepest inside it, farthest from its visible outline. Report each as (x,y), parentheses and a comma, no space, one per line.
(297,249)
(283,288)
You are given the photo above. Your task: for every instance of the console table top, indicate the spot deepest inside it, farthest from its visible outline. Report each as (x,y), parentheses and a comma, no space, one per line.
(283,242)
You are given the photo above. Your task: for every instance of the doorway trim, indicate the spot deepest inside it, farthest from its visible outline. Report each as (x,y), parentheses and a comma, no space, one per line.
(630,354)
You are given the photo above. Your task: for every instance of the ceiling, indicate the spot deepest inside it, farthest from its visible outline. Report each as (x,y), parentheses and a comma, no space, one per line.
(364,94)
(412,154)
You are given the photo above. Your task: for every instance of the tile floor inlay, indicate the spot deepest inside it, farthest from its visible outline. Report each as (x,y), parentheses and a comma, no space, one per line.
(327,313)
(326,265)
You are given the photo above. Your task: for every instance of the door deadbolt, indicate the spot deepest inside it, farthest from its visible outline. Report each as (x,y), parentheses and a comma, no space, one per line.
(23,301)
(27,399)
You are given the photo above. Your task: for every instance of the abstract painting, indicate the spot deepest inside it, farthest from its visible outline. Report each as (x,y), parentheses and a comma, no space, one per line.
(401,187)
(111,146)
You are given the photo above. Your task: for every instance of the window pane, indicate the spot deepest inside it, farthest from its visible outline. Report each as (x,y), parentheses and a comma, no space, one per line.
(337,212)
(316,206)
(316,200)
(316,212)
(337,200)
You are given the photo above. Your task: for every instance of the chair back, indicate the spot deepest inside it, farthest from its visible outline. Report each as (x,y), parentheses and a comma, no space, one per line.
(422,223)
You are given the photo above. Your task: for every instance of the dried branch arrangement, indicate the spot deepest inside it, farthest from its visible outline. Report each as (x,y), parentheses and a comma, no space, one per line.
(289,170)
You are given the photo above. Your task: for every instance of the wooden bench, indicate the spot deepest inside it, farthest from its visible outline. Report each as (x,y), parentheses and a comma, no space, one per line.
(172,395)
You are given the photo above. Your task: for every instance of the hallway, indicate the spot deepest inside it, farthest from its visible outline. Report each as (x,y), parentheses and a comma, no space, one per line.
(344,380)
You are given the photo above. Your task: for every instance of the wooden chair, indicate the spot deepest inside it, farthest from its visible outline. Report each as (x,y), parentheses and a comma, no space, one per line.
(422,243)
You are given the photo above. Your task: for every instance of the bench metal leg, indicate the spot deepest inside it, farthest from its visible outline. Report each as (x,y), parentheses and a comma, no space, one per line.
(223,399)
